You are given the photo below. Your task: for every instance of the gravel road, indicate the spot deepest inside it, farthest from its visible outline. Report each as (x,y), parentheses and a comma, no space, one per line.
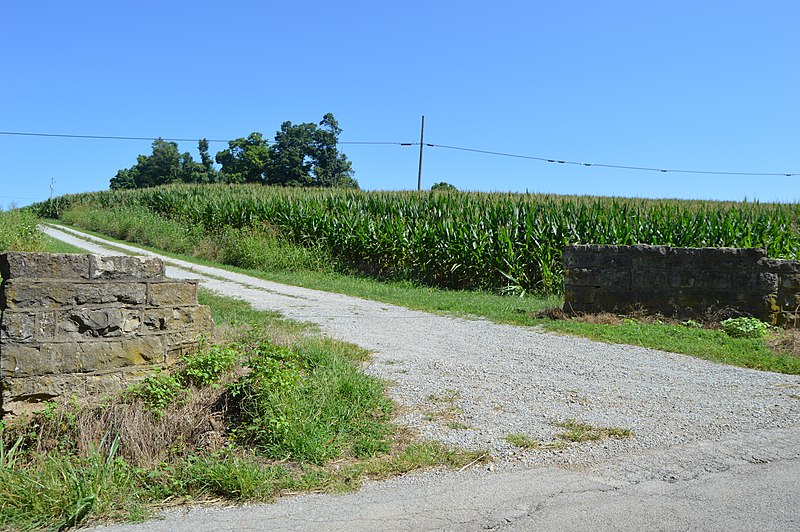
(469,383)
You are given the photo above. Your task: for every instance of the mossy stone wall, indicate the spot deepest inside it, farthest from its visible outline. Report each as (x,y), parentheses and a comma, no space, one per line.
(78,325)
(682,282)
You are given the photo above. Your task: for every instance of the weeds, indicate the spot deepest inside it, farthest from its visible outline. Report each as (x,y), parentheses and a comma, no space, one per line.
(309,405)
(158,390)
(524,441)
(18,232)
(577,432)
(208,366)
(744,327)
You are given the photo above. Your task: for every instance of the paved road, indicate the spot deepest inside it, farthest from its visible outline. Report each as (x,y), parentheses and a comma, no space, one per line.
(707,477)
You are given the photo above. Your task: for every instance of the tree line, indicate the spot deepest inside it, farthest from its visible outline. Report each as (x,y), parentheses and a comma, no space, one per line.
(302,155)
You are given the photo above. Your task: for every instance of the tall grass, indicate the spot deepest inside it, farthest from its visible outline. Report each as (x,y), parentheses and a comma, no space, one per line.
(54,491)
(18,232)
(458,240)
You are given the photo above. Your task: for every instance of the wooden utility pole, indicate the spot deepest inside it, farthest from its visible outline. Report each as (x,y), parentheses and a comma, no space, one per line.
(421,144)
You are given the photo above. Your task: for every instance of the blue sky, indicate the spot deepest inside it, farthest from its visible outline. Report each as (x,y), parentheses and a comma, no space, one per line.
(698,85)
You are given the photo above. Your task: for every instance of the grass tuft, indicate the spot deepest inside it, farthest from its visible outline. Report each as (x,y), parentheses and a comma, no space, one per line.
(524,441)
(577,432)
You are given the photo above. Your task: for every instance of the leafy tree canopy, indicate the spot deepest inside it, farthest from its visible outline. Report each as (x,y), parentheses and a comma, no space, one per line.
(165,165)
(443,186)
(302,155)
(245,160)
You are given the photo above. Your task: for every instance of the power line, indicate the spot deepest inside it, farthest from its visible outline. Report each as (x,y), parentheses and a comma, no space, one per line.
(617,166)
(444,146)
(118,137)
(103,137)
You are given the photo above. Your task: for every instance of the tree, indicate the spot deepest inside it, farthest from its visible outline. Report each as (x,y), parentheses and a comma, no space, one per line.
(303,155)
(160,168)
(307,155)
(245,160)
(331,168)
(206,161)
(291,155)
(123,179)
(444,187)
(164,166)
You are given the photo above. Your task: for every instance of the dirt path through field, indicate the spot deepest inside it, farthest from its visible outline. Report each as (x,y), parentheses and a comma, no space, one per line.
(705,436)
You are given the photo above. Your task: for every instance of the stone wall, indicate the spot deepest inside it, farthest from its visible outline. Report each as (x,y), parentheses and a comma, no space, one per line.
(77,325)
(683,282)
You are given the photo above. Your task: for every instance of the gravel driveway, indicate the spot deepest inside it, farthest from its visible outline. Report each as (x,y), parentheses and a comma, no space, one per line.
(469,383)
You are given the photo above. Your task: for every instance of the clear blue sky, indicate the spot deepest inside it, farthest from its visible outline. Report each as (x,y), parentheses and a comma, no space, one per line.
(699,85)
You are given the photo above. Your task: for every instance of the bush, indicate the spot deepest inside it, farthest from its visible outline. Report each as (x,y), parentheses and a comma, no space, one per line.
(744,327)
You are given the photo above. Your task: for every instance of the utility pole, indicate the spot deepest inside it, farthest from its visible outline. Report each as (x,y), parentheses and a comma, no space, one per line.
(421,140)
(52,186)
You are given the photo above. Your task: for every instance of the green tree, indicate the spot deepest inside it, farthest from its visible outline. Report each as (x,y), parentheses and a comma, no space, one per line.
(123,179)
(160,168)
(291,155)
(444,186)
(306,155)
(190,170)
(245,160)
(331,168)
(163,166)
(206,161)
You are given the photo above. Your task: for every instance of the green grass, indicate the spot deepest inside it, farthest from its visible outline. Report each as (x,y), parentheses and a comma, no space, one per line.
(709,344)
(523,441)
(54,491)
(52,245)
(577,431)
(18,232)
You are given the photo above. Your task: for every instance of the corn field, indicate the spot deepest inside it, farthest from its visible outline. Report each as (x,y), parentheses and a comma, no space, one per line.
(455,239)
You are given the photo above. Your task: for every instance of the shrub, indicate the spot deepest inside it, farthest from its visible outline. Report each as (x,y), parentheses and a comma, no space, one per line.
(744,327)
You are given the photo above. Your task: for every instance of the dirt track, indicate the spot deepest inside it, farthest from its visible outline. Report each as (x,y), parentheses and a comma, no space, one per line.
(700,429)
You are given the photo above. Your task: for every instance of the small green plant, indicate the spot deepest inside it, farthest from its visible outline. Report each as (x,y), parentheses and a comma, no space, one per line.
(207,366)
(524,441)
(744,327)
(577,432)
(157,391)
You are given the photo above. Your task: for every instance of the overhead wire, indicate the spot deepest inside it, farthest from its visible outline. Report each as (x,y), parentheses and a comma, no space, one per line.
(443,146)
(169,139)
(617,166)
